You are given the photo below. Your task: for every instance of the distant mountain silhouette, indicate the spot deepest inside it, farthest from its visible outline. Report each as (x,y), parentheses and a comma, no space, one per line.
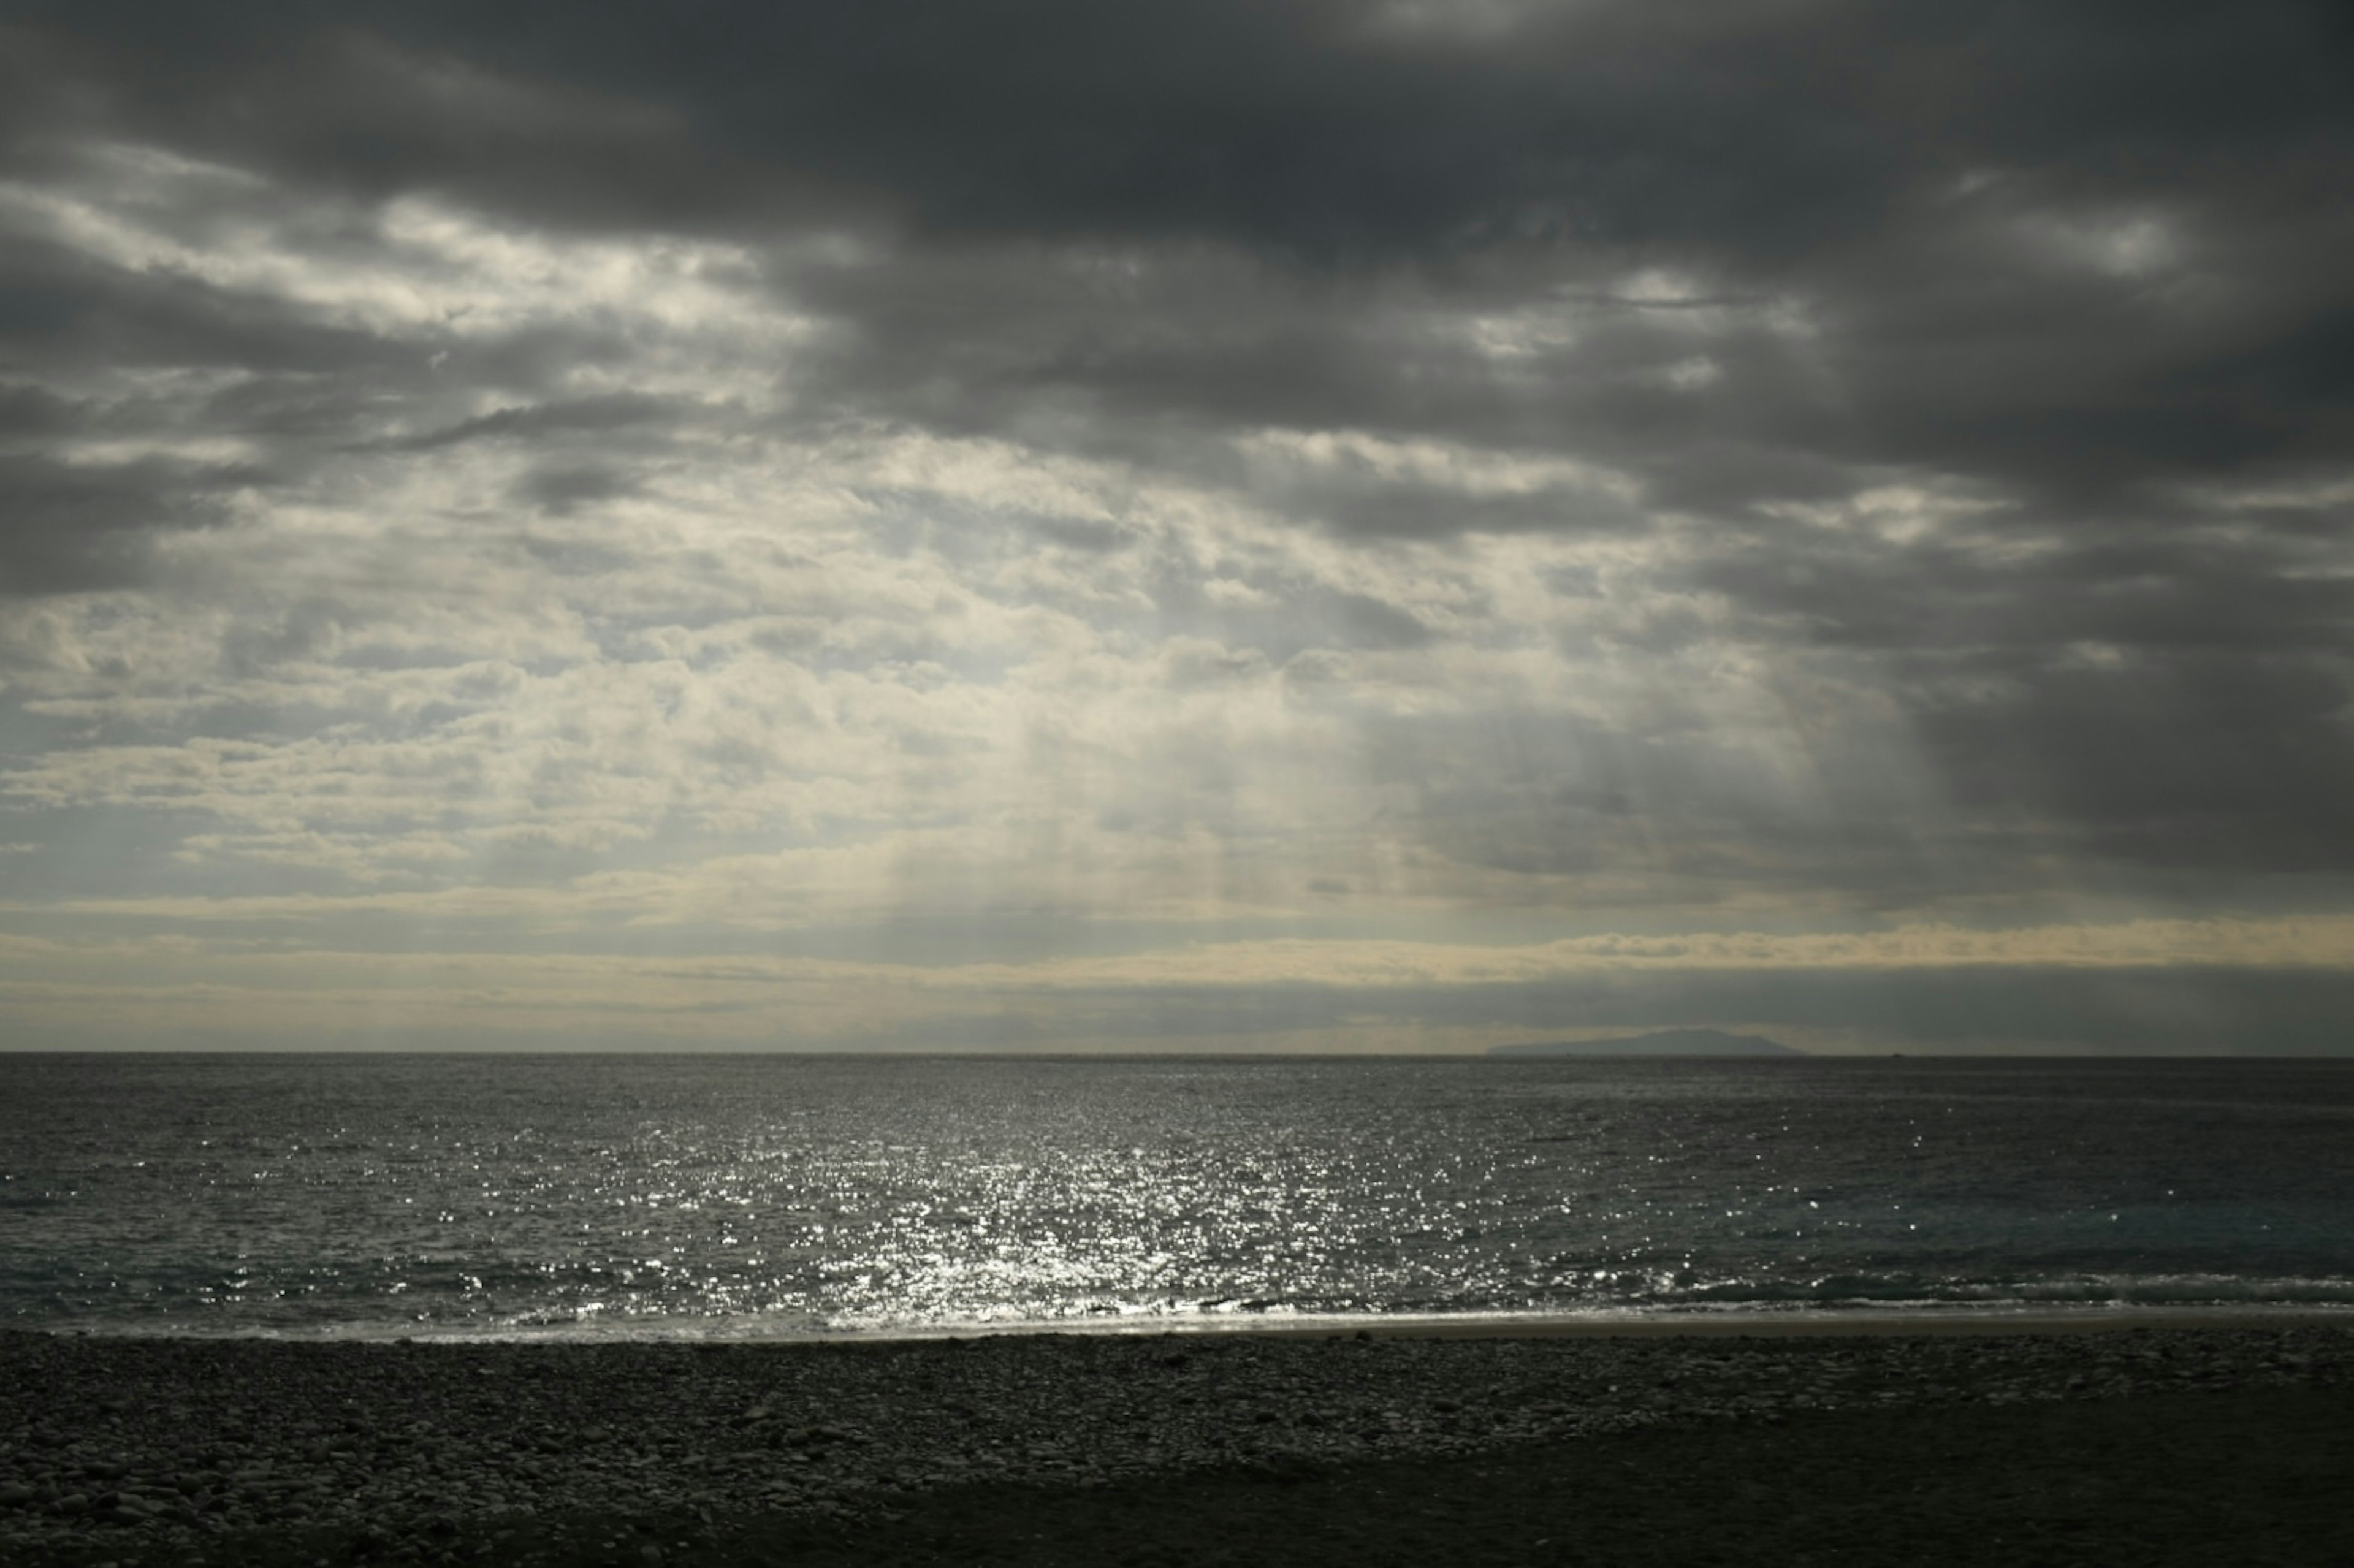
(1665,1043)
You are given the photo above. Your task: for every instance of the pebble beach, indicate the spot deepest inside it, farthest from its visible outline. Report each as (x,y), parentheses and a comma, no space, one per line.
(136,1450)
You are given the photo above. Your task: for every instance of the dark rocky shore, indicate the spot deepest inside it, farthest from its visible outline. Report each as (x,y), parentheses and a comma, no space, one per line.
(183,1451)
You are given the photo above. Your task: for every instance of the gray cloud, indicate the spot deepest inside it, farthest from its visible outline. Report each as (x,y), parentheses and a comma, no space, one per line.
(1817,157)
(1886,458)
(67,529)
(592,416)
(58,311)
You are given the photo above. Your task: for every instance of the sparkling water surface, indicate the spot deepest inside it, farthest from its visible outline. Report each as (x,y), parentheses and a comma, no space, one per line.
(761,1195)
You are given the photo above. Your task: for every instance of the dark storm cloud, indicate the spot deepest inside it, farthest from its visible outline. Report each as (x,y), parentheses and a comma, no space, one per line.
(31,411)
(2167,761)
(1957,594)
(2148,688)
(1817,153)
(2082,264)
(561,488)
(66,528)
(70,525)
(1316,131)
(282,380)
(61,311)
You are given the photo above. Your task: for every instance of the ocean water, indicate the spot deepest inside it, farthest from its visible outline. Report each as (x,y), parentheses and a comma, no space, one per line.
(584,1195)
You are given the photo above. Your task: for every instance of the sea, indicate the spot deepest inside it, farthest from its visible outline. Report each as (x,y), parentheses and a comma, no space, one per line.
(740,1196)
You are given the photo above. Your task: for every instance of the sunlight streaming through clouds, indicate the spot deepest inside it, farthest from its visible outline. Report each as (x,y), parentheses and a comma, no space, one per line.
(1438,528)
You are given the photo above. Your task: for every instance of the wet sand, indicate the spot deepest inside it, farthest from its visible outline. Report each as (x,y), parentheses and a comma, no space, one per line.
(2012,1441)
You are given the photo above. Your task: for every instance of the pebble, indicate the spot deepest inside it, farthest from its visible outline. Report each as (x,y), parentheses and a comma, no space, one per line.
(409,1445)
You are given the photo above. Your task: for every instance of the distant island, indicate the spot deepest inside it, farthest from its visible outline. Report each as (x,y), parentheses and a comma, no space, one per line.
(1666,1042)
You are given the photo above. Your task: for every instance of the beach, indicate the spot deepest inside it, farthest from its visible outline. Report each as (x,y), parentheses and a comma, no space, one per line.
(2118,1439)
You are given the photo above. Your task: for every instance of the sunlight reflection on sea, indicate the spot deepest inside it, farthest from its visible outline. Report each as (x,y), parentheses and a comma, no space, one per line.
(793,1195)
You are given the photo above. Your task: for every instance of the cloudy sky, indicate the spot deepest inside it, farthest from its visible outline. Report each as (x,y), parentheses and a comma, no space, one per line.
(1302,525)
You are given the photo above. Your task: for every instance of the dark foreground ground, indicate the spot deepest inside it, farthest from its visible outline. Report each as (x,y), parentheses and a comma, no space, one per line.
(2204,1479)
(2167,1448)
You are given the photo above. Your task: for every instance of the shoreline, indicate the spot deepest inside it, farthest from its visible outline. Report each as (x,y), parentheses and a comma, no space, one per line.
(1826,1323)
(1735,1323)
(181,1450)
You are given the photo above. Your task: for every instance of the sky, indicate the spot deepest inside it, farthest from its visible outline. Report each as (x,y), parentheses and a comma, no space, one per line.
(1231,525)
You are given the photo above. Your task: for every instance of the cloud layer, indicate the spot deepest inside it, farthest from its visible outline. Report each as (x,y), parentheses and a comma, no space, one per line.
(1080,525)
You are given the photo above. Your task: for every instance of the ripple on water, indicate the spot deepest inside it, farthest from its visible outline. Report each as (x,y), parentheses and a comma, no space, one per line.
(603,1194)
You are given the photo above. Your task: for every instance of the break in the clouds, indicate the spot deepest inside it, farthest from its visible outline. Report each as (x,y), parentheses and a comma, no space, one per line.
(1325,525)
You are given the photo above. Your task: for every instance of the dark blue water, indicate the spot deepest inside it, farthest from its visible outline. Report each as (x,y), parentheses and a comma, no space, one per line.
(585,1195)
